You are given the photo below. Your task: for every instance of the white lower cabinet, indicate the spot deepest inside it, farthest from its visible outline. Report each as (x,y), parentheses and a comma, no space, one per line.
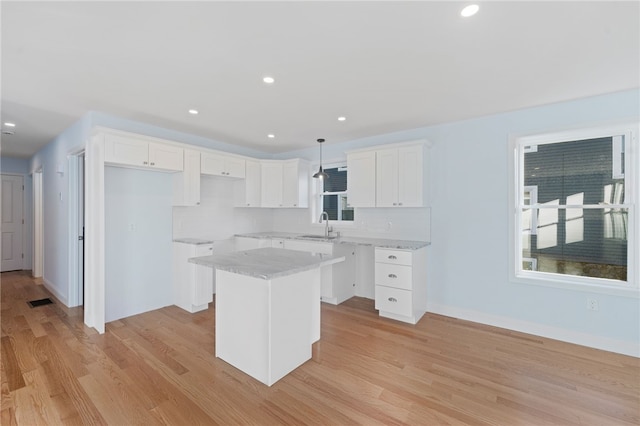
(337,281)
(193,285)
(401,283)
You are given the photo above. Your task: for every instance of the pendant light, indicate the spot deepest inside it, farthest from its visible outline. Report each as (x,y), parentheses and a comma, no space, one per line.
(321,174)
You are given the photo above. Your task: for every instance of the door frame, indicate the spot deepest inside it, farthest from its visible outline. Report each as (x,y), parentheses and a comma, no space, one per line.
(76,273)
(38,226)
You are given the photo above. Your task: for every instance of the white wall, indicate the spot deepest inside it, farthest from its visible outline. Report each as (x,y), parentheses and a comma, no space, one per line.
(216,218)
(138,241)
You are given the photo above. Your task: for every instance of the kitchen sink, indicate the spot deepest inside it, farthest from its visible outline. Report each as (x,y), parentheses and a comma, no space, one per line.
(318,237)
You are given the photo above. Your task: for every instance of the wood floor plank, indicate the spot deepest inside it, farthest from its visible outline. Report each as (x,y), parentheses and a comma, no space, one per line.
(160,368)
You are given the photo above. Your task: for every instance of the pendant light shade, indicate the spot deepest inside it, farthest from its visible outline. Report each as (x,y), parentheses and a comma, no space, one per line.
(321,174)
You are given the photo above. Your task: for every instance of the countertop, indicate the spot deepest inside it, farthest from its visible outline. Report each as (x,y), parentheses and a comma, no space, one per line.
(363,241)
(194,241)
(266,263)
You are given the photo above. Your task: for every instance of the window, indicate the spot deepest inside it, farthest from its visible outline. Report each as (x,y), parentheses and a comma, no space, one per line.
(574,208)
(331,194)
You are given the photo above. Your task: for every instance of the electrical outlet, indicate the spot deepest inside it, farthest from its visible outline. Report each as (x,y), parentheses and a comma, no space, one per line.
(592,304)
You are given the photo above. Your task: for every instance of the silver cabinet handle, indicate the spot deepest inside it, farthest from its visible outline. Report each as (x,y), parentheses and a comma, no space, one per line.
(145,162)
(393,276)
(393,299)
(395,204)
(153,164)
(392,257)
(399,204)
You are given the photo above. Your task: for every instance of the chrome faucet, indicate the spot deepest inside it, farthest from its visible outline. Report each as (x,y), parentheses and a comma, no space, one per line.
(327,228)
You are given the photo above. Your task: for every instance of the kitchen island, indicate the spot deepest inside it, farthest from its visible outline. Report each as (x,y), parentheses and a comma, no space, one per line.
(267,308)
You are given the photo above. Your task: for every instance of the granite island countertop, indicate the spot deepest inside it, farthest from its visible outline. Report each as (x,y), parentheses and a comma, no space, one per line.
(266,263)
(363,241)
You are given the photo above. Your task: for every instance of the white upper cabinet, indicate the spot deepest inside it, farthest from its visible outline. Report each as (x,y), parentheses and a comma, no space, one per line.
(411,176)
(361,184)
(138,152)
(399,177)
(248,192)
(271,184)
(186,184)
(285,183)
(388,176)
(222,165)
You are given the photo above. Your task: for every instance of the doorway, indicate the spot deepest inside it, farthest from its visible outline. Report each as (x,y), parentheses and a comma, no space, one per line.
(76,228)
(12,223)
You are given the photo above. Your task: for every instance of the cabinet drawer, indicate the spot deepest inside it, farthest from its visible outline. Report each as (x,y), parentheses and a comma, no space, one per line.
(397,257)
(393,300)
(397,276)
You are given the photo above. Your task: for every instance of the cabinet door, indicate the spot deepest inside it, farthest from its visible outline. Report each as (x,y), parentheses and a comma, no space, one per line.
(272,184)
(253,189)
(410,176)
(128,151)
(387,178)
(290,184)
(361,184)
(166,157)
(235,167)
(212,164)
(186,184)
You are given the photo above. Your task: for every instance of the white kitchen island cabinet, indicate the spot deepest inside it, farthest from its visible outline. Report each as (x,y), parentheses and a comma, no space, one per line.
(267,309)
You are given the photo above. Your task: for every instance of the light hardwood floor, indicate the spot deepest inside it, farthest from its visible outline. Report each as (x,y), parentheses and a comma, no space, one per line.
(159,368)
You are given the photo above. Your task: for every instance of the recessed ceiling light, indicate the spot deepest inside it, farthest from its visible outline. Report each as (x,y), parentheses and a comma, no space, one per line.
(269,80)
(193,111)
(271,136)
(10,124)
(470,10)
(342,118)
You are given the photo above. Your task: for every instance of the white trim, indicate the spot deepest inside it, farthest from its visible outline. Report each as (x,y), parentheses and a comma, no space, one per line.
(38,217)
(547,331)
(94,297)
(52,289)
(630,288)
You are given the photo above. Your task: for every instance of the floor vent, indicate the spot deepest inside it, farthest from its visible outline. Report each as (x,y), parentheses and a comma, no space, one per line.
(40,302)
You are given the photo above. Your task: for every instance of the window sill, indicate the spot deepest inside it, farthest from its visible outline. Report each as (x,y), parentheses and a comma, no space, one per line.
(623,290)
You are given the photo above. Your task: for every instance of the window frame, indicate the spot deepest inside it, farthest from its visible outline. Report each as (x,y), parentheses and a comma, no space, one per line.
(318,194)
(517,274)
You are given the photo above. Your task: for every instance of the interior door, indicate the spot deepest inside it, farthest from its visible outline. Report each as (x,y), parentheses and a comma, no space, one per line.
(12,223)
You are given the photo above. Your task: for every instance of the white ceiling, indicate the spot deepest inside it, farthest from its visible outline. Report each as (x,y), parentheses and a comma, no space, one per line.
(386,66)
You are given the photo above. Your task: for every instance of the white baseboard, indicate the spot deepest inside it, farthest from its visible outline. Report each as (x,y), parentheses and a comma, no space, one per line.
(49,286)
(556,333)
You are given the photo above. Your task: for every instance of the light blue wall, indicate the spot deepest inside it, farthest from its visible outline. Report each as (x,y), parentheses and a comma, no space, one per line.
(52,159)
(19,166)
